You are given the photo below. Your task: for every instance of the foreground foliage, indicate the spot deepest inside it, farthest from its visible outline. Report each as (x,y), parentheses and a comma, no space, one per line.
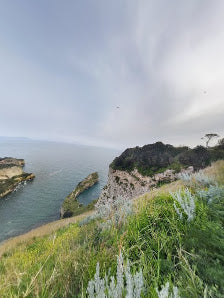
(172,255)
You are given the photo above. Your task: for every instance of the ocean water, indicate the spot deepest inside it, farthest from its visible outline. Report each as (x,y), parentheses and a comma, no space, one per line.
(58,168)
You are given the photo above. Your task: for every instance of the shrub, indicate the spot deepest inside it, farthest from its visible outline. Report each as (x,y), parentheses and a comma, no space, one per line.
(185,177)
(125,283)
(114,212)
(196,178)
(203,179)
(212,194)
(187,202)
(164,292)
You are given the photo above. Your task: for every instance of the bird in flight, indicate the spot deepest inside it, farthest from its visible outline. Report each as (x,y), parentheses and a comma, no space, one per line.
(118,107)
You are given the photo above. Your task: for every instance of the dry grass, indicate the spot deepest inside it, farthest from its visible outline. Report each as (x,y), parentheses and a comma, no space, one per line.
(216,170)
(40,231)
(170,187)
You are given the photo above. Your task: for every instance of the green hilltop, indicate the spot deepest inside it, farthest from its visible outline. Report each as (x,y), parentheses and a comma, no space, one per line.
(157,157)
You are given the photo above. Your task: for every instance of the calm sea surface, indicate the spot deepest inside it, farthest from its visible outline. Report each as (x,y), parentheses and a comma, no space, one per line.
(58,168)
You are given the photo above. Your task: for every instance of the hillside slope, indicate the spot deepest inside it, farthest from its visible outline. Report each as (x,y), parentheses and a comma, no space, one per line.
(170,239)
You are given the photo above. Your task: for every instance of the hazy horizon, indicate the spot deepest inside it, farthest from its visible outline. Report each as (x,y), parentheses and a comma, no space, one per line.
(112,74)
(212,142)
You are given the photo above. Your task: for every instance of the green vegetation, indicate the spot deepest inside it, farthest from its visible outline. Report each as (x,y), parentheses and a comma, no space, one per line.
(117,179)
(75,208)
(186,252)
(71,206)
(10,165)
(156,158)
(8,162)
(8,185)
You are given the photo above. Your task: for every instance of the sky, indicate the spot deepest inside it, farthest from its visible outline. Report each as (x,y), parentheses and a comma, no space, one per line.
(115,73)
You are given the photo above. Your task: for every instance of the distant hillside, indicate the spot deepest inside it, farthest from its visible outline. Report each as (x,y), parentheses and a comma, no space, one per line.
(155,158)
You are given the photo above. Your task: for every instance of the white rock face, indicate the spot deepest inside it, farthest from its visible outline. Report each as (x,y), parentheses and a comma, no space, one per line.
(7,173)
(133,184)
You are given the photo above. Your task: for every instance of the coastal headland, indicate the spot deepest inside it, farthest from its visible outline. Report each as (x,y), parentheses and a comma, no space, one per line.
(71,206)
(12,174)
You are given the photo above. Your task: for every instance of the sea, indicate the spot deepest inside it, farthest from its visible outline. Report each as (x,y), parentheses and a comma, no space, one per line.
(58,168)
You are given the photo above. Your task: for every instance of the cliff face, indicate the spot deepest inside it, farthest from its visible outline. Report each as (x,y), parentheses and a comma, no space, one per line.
(11,174)
(133,184)
(70,205)
(7,173)
(10,167)
(138,170)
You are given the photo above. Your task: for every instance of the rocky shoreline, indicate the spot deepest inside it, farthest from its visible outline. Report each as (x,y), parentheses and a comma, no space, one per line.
(12,174)
(71,206)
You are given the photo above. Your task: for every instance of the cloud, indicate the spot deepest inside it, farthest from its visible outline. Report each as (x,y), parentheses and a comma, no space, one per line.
(66,68)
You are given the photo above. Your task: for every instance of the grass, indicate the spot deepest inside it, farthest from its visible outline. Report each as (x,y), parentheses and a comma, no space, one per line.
(187,254)
(41,231)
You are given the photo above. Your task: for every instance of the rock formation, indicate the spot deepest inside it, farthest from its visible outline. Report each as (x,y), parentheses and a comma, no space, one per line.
(71,204)
(11,174)
(132,184)
(138,170)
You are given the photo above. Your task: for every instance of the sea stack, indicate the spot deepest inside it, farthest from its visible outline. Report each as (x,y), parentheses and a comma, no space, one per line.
(70,203)
(12,174)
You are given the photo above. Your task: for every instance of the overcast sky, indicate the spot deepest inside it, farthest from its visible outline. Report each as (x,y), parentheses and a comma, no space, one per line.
(65,67)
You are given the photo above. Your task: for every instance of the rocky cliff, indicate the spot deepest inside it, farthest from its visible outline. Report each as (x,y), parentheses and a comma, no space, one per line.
(71,206)
(138,170)
(132,184)
(11,174)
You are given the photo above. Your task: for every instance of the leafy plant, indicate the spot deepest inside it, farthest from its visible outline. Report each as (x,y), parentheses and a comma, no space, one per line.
(125,283)
(186,201)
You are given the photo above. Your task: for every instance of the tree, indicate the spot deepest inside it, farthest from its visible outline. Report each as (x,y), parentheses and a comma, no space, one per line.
(210,136)
(221,142)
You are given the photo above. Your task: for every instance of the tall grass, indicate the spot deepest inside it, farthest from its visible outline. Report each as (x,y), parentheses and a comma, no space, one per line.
(176,256)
